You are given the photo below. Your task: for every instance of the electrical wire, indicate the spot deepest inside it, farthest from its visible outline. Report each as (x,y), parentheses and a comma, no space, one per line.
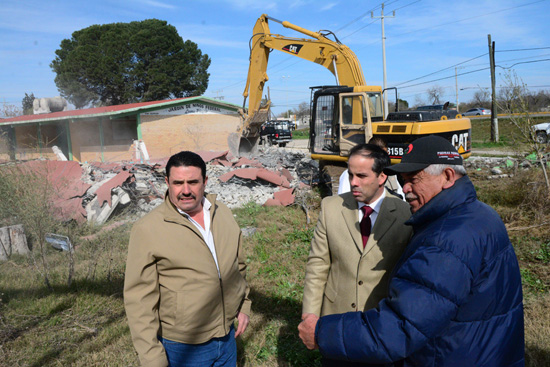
(447,77)
(519,63)
(470,18)
(435,72)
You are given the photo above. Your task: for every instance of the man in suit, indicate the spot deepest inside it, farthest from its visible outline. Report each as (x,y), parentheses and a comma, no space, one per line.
(348,268)
(391,182)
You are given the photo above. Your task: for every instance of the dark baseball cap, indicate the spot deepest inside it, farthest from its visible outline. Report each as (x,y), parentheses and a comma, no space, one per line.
(426,151)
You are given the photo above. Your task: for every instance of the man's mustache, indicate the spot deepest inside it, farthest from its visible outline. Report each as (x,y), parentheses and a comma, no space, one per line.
(186,196)
(410,197)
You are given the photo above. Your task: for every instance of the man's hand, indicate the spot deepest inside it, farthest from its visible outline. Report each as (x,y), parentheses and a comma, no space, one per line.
(242,323)
(306,330)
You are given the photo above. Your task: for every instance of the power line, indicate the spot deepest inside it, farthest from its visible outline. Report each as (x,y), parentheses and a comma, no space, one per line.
(357,19)
(435,72)
(470,18)
(447,77)
(372,22)
(524,62)
(525,49)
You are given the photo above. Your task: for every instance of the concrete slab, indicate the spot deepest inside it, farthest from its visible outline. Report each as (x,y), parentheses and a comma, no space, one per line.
(12,241)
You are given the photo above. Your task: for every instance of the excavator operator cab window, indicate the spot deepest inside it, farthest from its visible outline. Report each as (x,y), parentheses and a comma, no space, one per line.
(375,106)
(325,125)
(353,112)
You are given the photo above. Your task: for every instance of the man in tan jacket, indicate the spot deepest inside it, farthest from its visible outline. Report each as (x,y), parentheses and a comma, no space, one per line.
(342,273)
(185,275)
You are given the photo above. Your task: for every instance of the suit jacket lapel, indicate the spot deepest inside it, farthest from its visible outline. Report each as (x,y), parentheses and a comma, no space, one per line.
(349,211)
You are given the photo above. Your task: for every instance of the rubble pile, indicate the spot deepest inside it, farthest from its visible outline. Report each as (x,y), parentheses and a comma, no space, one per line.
(501,167)
(96,191)
(259,178)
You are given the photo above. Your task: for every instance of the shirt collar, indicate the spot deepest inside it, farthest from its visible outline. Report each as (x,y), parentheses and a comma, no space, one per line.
(376,204)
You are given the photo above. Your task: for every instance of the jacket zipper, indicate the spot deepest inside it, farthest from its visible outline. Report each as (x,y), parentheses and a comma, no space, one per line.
(225,329)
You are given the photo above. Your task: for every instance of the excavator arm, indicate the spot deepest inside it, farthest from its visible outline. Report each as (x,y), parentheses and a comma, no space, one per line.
(333,55)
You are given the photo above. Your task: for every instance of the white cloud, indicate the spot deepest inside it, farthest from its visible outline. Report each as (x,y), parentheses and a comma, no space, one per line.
(158,4)
(328,6)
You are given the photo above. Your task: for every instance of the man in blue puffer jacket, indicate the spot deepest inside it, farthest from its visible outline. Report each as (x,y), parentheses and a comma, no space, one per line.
(455,295)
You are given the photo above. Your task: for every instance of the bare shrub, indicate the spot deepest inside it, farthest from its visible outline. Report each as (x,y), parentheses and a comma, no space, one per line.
(515,103)
(27,198)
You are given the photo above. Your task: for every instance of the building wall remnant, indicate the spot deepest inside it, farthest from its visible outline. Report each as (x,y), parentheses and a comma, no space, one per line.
(48,105)
(107,134)
(166,135)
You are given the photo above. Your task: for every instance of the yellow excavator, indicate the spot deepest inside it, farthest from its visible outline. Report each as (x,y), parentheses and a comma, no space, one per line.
(344,114)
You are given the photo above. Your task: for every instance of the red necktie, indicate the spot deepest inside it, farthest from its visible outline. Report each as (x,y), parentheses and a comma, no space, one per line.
(365,223)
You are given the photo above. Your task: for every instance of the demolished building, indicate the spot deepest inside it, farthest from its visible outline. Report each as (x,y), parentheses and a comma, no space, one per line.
(129,132)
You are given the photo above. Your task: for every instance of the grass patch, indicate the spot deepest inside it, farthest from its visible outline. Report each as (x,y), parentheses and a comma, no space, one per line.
(301,134)
(490,145)
(508,133)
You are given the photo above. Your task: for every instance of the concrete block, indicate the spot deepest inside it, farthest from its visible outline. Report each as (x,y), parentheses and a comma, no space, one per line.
(12,241)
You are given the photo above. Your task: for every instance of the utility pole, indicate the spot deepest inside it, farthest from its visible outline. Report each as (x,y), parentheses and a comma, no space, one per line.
(456,88)
(456,85)
(494,118)
(381,17)
(218,94)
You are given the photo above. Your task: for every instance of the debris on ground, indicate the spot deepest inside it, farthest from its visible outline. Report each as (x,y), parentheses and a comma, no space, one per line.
(96,191)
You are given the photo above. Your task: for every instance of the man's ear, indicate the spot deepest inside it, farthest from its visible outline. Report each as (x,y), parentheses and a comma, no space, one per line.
(382,178)
(449,177)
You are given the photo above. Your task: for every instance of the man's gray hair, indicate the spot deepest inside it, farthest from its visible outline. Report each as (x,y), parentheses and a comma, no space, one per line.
(437,169)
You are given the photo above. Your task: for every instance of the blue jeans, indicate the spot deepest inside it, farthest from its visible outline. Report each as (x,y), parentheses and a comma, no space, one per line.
(217,352)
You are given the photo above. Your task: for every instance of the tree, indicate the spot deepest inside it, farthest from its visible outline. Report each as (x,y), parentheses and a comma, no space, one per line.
(482,98)
(403,105)
(302,112)
(27,104)
(129,62)
(515,104)
(10,110)
(435,94)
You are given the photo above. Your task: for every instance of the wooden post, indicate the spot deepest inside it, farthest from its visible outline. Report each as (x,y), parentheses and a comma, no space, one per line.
(494,118)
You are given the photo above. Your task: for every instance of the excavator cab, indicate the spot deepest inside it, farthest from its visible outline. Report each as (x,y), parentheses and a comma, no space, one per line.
(342,118)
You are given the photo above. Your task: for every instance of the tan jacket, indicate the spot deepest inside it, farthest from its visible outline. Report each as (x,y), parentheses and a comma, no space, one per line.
(340,275)
(172,287)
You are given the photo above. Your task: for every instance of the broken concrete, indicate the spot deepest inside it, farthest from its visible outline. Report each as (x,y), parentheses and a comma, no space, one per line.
(12,241)
(95,191)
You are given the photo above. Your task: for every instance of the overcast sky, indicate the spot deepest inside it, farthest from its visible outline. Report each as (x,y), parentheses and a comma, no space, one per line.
(426,42)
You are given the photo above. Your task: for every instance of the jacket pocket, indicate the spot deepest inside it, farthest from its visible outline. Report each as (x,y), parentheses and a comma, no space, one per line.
(330,293)
(198,307)
(167,306)
(234,295)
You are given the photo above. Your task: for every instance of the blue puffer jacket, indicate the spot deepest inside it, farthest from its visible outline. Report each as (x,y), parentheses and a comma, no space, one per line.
(455,295)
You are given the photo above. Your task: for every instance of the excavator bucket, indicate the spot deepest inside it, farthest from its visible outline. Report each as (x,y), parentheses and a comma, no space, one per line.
(245,142)
(241,146)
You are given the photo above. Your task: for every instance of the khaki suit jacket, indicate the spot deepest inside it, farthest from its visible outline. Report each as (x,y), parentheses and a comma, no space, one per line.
(341,276)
